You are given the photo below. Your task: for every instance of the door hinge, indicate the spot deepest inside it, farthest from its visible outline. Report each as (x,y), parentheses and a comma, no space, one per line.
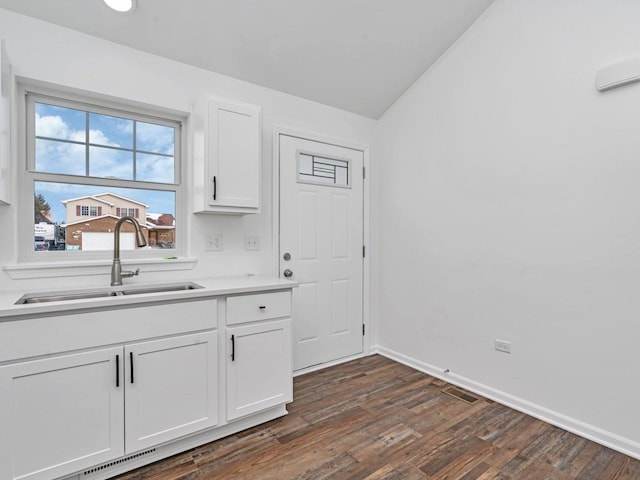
(364,173)
(363,329)
(363,251)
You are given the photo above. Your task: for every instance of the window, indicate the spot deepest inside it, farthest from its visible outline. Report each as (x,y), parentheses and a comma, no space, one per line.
(320,170)
(90,211)
(90,163)
(128,212)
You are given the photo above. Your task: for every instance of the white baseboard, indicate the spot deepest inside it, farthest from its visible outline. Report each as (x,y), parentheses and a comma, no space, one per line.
(332,363)
(590,432)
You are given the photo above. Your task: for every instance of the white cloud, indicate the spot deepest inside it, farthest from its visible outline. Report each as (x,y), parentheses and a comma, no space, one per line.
(54,127)
(68,158)
(98,136)
(155,138)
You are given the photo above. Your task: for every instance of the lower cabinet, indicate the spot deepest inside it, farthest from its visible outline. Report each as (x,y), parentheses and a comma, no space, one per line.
(171,389)
(103,388)
(258,367)
(61,414)
(67,413)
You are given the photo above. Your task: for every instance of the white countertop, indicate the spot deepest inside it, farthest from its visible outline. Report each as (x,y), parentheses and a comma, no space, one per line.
(214,286)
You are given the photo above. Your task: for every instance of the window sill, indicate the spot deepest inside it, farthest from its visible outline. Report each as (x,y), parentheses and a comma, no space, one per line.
(96,267)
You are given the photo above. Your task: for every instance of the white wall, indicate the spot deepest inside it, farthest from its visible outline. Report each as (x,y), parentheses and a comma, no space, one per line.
(49,53)
(510,209)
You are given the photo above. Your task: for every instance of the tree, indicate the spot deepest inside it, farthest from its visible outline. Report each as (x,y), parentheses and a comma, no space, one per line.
(40,205)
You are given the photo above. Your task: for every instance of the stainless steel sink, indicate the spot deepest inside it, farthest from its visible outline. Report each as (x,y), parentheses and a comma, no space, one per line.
(62,297)
(67,296)
(159,288)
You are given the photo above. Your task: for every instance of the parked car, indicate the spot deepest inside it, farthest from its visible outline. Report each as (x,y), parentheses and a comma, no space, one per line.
(40,243)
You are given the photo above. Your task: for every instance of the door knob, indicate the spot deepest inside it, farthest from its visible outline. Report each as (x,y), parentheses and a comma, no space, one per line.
(287,273)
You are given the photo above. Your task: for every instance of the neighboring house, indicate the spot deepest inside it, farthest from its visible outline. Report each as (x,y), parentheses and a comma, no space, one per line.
(162,230)
(93,206)
(91,221)
(96,233)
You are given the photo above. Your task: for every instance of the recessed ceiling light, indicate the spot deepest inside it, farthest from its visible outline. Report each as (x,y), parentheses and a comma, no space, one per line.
(122,6)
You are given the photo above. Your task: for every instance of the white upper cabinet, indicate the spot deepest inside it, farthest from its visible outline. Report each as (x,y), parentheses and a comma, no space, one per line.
(227,157)
(5,126)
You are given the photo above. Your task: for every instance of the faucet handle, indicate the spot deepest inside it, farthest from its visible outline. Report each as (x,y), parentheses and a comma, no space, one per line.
(129,273)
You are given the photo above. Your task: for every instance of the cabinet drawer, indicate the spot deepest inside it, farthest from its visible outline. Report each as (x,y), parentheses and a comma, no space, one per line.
(261,306)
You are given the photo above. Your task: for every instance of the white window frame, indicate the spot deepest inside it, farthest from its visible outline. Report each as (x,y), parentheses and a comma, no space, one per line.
(31,262)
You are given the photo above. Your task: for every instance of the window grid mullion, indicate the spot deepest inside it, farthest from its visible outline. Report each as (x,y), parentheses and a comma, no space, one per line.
(86,148)
(135,148)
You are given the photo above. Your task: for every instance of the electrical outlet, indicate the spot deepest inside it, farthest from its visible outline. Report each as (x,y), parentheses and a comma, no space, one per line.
(503,346)
(214,242)
(251,242)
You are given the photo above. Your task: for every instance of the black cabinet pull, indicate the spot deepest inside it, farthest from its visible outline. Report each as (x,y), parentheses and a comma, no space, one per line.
(262,307)
(117,371)
(214,187)
(131,363)
(233,348)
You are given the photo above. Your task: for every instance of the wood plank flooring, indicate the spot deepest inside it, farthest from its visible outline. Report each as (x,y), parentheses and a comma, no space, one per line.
(374,418)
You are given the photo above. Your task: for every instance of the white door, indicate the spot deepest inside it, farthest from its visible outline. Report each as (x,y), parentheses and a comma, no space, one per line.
(171,388)
(321,247)
(61,414)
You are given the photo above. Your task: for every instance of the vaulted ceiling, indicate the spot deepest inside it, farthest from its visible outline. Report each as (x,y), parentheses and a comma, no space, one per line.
(357,55)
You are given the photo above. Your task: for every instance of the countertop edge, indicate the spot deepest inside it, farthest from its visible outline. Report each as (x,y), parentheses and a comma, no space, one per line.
(212,287)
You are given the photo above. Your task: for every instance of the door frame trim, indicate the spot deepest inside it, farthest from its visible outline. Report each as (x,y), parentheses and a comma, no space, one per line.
(279,130)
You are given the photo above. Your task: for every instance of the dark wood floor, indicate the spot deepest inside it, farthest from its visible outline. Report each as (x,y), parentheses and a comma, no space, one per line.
(376,419)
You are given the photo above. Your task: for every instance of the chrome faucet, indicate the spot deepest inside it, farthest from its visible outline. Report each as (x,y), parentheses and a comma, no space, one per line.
(116,268)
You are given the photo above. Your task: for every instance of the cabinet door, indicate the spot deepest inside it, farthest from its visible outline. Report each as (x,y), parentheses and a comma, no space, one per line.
(171,388)
(61,414)
(233,155)
(259,372)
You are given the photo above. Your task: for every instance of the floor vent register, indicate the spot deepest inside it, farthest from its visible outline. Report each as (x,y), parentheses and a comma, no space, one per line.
(466,397)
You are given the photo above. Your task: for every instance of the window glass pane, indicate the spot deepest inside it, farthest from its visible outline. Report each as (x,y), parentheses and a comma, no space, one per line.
(155,138)
(306,164)
(323,170)
(155,168)
(60,224)
(60,157)
(58,122)
(111,131)
(109,162)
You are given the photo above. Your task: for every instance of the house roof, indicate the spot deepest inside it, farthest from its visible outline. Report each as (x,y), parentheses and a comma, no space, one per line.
(123,198)
(93,197)
(153,218)
(40,218)
(153,226)
(93,219)
(98,199)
